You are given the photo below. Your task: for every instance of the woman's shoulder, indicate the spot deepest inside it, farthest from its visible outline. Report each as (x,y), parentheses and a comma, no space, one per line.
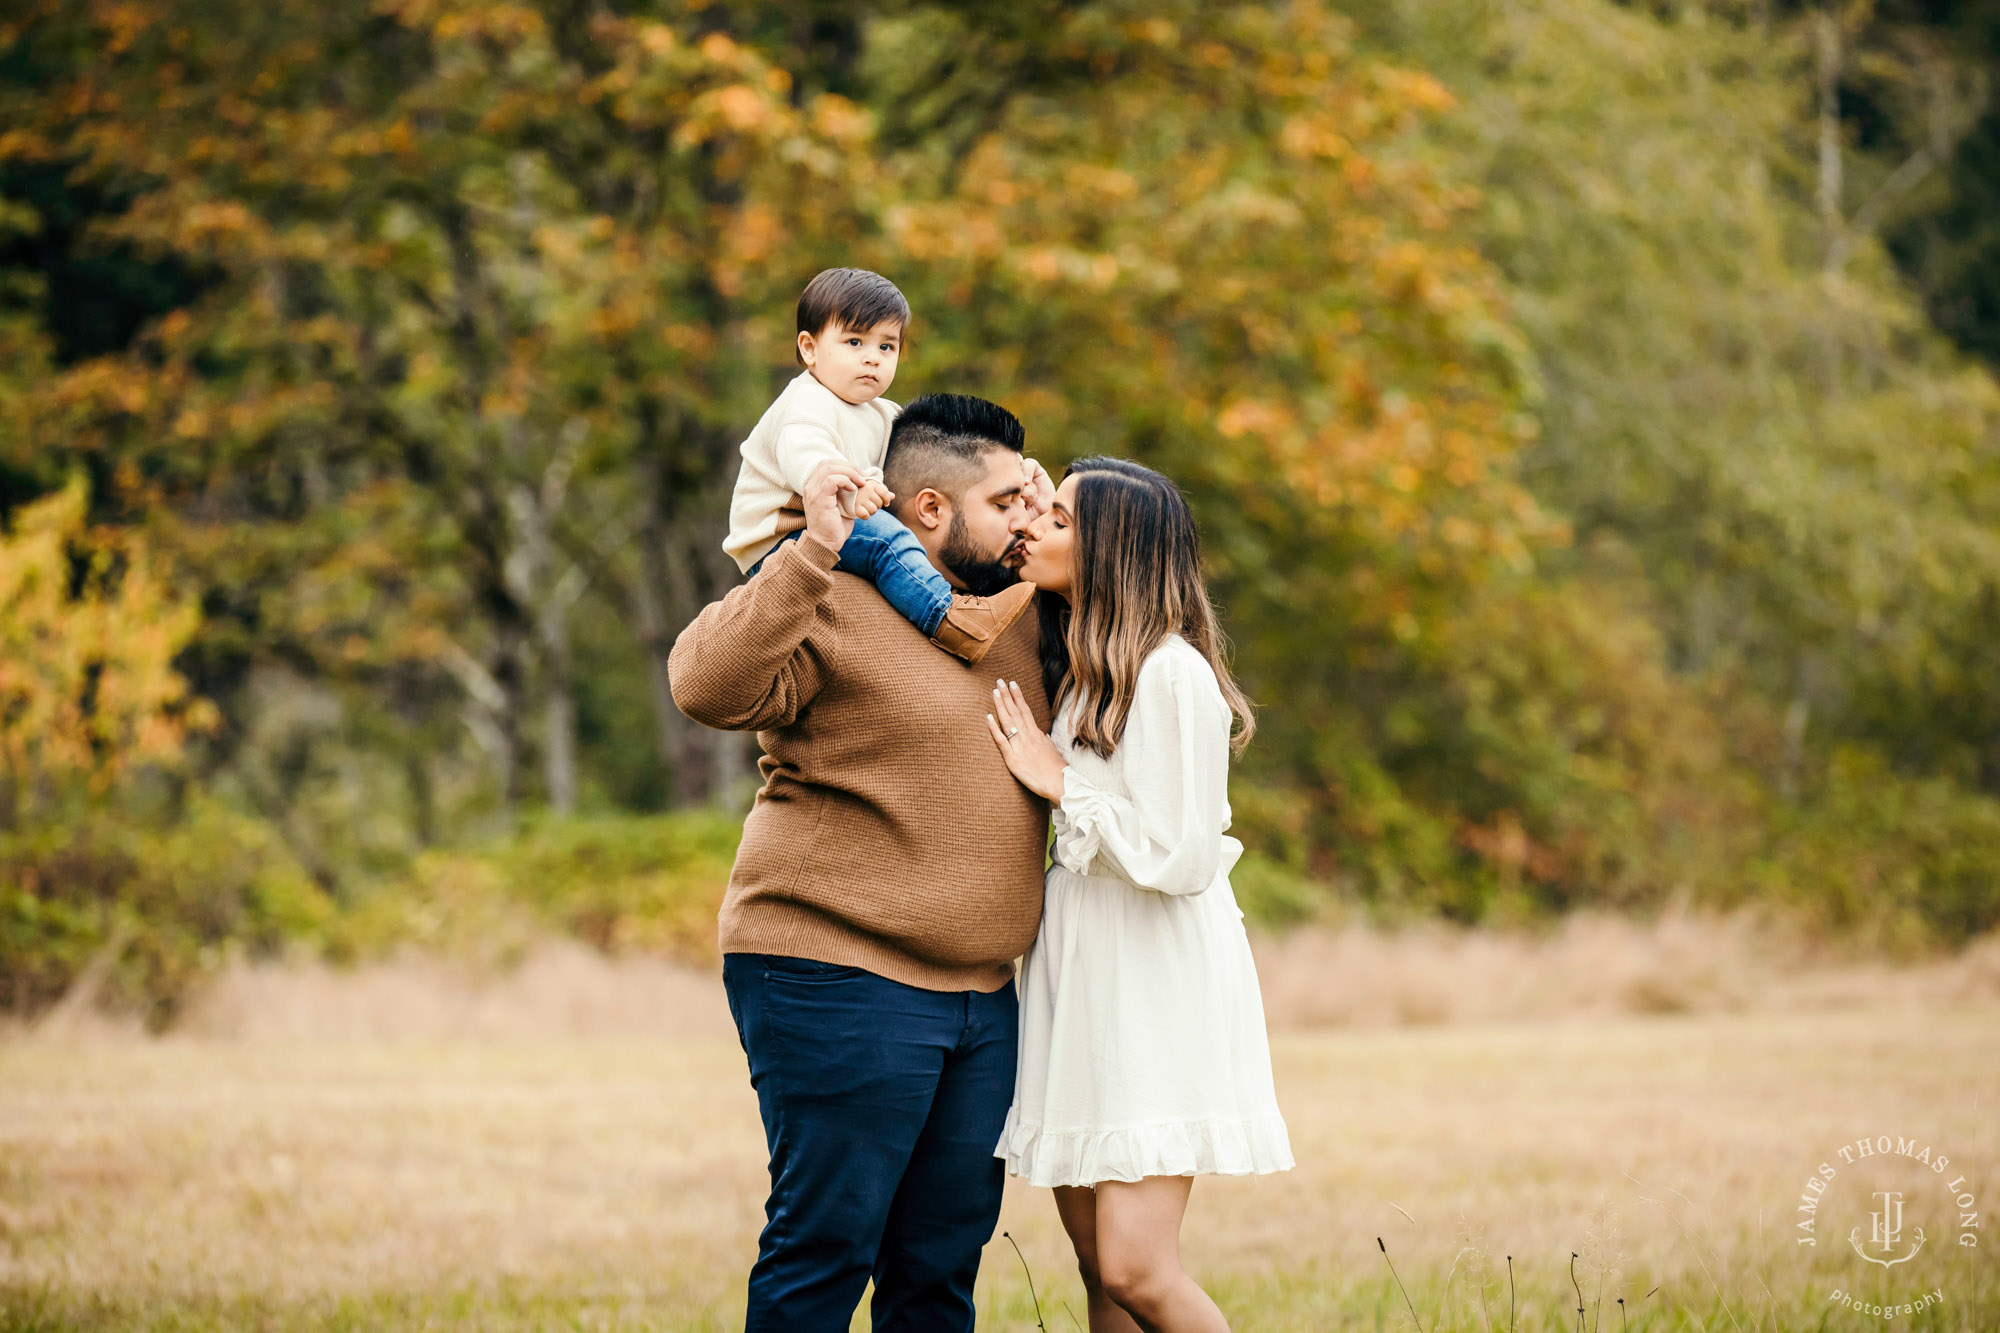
(1176,667)
(1176,695)
(1174,653)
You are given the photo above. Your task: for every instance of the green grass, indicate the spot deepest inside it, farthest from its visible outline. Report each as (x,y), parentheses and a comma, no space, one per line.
(1304,1301)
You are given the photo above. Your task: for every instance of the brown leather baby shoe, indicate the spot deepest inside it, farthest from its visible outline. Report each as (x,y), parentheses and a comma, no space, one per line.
(975,624)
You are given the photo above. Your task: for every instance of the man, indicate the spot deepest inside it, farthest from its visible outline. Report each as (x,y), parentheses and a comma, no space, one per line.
(890,873)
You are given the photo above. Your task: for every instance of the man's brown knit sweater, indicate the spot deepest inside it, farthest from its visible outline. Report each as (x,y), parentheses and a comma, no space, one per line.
(889,834)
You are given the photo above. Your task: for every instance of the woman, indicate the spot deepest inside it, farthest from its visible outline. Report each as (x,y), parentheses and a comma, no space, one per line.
(1143,1059)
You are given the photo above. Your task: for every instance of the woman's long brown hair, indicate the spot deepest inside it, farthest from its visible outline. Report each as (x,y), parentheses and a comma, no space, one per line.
(1135,577)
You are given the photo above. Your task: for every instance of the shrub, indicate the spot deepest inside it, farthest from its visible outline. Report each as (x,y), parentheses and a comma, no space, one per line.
(645,883)
(1904,860)
(147,911)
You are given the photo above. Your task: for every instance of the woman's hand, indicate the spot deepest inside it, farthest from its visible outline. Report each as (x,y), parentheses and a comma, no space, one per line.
(1031,756)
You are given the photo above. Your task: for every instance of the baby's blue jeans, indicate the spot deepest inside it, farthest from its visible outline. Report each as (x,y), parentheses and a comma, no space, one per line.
(888,555)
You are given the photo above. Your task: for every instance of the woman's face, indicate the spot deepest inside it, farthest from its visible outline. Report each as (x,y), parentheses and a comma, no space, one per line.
(1048,541)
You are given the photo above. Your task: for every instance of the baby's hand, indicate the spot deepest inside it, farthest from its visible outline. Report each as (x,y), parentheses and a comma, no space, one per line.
(1037,489)
(870,497)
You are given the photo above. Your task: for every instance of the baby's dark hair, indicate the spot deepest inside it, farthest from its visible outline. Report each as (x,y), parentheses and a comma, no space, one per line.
(852,297)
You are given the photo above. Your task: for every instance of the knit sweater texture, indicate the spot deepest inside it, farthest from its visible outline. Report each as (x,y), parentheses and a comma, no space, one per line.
(888,834)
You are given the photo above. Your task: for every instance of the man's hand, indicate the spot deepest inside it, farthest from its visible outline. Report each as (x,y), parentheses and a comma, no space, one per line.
(1036,488)
(829,484)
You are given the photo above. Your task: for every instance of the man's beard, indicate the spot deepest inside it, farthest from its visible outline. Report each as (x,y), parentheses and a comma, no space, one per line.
(981,573)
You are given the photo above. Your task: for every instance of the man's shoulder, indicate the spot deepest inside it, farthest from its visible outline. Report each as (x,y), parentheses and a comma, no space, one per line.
(1018,654)
(861,614)
(859,609)
(1024,632)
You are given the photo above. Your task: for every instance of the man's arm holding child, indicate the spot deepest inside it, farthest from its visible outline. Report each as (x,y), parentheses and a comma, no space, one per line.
(755,658)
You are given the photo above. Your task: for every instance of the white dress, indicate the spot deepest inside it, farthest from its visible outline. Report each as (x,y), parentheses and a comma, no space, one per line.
(1143,1050)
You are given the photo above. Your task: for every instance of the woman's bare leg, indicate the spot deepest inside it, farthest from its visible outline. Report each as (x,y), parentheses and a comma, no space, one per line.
(1077,1206)
(1136,1247)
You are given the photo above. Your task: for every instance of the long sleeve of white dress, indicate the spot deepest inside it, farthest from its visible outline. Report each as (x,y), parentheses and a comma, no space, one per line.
(1167,834)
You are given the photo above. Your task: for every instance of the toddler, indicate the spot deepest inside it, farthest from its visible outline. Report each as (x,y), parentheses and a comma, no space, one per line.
(851,327)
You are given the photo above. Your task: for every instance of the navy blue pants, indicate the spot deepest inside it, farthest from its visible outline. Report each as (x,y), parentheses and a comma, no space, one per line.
(882,1104)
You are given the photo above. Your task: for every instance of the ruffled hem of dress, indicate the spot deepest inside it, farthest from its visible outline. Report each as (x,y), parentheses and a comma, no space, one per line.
(1245,1146)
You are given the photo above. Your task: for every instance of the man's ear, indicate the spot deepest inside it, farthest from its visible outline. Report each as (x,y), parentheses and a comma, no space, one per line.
(929,509)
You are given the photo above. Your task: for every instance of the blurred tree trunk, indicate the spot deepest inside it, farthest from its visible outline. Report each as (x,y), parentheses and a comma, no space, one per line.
(685,570)
(1830,188)
(1826,45)
(423,797)
(536,511)
(559,700)
(649,602)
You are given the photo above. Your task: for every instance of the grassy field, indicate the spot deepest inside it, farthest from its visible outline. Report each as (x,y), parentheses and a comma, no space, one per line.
(509,1174)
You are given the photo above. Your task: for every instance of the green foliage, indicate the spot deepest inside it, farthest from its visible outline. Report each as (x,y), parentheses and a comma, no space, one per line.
(146,907)
(1272,896)
(1804,469)
(1798,471)
(1887,856)
(620,882)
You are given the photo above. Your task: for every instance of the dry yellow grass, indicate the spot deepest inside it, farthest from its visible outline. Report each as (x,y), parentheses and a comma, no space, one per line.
(577,1145)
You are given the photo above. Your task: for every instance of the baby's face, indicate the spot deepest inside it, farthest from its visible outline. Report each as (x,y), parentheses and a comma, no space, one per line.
(857,365)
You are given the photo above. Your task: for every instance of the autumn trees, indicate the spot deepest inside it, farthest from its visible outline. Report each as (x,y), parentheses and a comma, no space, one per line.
(1570,522)
(490,284)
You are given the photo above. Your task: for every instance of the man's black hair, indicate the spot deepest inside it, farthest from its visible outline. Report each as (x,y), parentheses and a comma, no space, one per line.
(852,298)
(941,441)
